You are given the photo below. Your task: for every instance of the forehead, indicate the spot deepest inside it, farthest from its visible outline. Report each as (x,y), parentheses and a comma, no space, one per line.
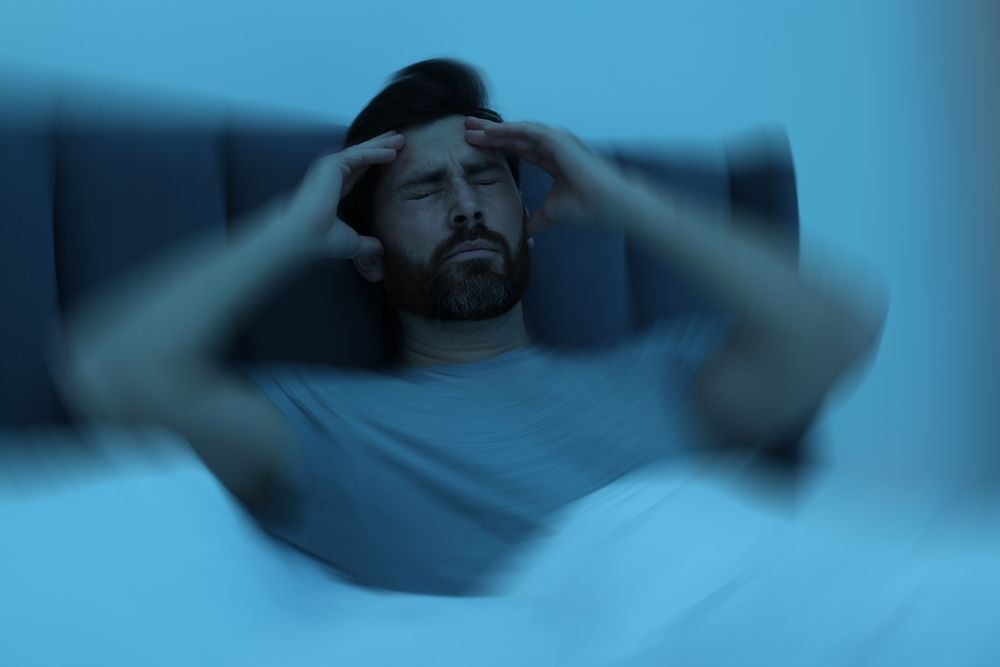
(440,144)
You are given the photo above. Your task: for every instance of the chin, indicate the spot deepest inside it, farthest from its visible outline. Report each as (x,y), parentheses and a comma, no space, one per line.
(475,296)
(475,289)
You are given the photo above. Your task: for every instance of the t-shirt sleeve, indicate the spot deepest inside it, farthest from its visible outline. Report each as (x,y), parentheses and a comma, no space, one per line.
(671,353)
(683,345)
(293,509)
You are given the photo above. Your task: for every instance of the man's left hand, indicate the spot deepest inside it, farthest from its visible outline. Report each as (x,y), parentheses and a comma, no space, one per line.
(585,183)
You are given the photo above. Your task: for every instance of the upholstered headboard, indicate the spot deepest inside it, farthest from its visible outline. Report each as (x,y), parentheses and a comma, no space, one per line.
(91,186)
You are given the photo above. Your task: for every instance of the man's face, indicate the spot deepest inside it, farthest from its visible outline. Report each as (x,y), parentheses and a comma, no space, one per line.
(441,193)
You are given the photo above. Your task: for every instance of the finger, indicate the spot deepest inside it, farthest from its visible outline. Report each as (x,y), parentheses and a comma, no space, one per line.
(558,151)
(385,140)
(519,144)
(530,131)
(392,138)
(355,164)
(526,146)
(328,159)
(535,132)
(385,135)
(383,150)
(535,139)
(367,156)
(389,138)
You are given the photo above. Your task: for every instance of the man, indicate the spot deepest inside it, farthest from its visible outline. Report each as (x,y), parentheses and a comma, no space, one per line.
(428,476)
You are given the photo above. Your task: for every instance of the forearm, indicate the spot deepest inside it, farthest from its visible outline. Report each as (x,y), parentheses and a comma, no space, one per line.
(177,309)
(749,274)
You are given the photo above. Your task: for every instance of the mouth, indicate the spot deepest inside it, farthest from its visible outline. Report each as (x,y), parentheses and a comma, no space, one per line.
(471,251)
(472,254)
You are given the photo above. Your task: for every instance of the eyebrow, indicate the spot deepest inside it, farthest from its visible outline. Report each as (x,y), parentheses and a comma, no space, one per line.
(438,175)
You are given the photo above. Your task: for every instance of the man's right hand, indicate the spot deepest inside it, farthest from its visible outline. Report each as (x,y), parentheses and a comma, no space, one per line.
(311,211)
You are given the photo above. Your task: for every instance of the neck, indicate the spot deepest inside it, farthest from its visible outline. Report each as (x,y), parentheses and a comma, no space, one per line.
(429,342)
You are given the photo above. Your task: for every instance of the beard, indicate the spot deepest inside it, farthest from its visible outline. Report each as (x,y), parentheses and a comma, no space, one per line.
(471,289)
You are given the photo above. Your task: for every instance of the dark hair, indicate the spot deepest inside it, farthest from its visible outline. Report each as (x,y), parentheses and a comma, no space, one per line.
(421,93)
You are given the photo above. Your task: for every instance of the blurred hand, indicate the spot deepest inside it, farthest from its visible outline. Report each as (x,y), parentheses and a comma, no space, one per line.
(585,183)
(311,212)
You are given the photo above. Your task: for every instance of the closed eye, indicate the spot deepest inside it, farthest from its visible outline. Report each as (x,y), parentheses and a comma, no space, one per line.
(434,192)
(426,194)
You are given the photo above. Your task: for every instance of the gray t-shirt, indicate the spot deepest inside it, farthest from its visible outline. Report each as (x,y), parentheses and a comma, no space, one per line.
(426,480)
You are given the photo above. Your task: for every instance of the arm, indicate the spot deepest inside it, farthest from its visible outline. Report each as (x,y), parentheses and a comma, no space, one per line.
(143,350)
(796,336)
(179,307)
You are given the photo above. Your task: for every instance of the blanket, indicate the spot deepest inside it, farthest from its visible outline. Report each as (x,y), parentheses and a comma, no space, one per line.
(120,548)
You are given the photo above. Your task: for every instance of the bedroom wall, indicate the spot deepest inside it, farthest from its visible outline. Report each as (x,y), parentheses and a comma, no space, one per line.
(890,108)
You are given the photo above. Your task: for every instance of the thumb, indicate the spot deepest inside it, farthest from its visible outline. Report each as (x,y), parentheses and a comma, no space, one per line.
(343,242)
(368,245)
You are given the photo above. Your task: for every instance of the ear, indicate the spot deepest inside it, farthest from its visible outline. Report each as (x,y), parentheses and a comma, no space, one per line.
(370,267)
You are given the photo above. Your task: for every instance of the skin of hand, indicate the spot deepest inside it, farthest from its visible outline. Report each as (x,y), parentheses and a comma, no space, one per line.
(310,214)
(585,184)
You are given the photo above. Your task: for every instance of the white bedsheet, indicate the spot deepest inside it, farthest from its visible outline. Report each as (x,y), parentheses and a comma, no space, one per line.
(127,560)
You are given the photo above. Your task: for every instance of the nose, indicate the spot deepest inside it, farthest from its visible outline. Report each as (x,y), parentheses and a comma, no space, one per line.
(465,205)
